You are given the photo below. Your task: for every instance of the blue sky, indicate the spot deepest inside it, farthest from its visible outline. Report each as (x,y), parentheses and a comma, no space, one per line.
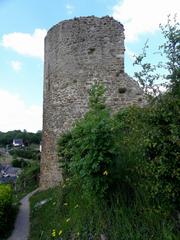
(23,26)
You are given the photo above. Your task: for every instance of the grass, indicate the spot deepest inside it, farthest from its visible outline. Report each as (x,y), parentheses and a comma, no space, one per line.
(67,215)
(44,218)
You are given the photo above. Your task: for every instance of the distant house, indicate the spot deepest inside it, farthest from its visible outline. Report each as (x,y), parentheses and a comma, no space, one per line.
(8,174)
(18,143)
(13,171)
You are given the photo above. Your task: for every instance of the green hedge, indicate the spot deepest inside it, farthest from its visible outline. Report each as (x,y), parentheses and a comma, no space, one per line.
(26,153)
(29,178)
(19,163)
(5,209)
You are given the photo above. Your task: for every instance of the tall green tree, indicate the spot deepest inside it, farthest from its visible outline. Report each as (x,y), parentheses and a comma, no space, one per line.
(162,137)
(169,71)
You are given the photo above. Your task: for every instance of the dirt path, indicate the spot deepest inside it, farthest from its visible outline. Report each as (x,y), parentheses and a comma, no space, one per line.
(22,224)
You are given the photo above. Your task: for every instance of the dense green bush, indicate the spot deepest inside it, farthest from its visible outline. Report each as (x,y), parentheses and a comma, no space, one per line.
(19,163)
(135,150)
(88,151)
(150,139)
(6,210)
(162,118)
(129,132)
(29,178)
(162,145)
(105,152)
(27,153)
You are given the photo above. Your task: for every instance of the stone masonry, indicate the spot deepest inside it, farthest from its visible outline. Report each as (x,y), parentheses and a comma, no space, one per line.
(78,53)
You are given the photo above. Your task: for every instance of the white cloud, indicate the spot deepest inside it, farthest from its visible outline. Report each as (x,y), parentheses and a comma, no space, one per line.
(15,114)
(26,43)
(140,16)
(69,9)
(16,65)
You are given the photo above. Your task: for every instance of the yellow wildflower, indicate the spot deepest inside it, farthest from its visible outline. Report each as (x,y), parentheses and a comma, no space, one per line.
(105,173)
(68,219)
(54,233)
(60,232)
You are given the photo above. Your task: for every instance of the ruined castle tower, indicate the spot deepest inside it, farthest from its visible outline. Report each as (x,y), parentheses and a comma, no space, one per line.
(78,53)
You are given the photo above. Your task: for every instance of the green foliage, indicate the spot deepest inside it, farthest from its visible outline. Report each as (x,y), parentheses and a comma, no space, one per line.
(72,217)
(19,163)
(6,210)
(162,118)
(28,137)
(162,144)
(150,145)
(96,97)
(151,76)
(171,49)
(135,150)
(29,178)
(27,153)
(148,74)
(129,128)
(88,150)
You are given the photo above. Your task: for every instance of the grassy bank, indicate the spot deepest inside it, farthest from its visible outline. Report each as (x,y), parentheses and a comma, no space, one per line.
(62,213)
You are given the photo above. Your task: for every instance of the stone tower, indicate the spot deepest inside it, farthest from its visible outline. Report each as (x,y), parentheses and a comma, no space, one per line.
(78,53)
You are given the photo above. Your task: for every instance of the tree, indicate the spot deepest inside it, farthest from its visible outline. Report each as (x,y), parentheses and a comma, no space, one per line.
(162,137)
(169,50)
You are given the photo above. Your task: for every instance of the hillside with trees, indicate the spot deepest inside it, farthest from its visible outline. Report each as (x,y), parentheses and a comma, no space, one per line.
(6,138)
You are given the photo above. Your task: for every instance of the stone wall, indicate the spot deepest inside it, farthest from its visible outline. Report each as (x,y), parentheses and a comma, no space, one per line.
(78,53)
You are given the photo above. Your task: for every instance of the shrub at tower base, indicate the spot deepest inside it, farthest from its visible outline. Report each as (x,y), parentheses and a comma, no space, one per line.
(96,152)
(130,158)
(117,181)
(6,210)
(132,150)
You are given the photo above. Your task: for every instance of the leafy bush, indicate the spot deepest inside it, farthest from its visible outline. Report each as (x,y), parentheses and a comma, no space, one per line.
(151,139)
(27,153)
(19,163)
(6,211)
(88,150)
(29,178)
(162,144)
(128,171)
(162,118)
(100,152)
